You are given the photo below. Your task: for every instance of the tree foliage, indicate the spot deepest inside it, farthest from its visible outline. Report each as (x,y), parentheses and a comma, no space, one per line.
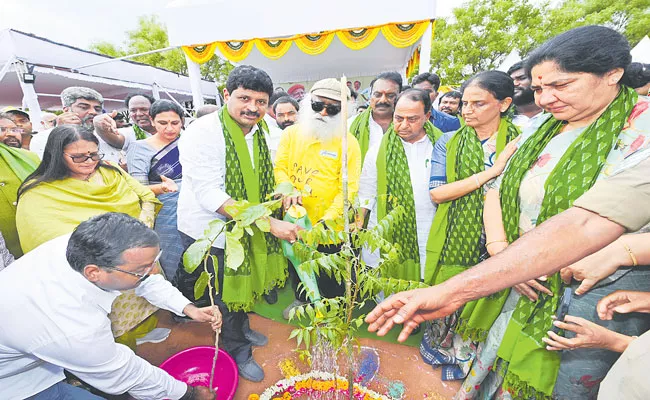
(483,32)
(150,35)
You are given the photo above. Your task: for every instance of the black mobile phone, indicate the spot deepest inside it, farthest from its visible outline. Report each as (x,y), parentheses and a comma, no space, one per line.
(563,308)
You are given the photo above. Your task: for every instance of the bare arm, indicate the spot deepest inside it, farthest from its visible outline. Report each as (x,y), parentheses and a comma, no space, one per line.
(107,129)
(455,190)
(495,233)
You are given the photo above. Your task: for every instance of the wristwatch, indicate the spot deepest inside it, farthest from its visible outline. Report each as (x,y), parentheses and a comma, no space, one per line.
(189,395)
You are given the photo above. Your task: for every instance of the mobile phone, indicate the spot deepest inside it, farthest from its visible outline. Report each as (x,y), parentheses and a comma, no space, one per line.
(563,308)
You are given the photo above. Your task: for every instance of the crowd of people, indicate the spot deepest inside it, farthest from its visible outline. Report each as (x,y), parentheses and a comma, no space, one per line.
(96,215)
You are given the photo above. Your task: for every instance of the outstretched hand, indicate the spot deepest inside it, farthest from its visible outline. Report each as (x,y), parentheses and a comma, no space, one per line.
(411,308)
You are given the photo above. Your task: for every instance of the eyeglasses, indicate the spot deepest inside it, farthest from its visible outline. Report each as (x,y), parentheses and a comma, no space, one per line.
(141,277)
(79,158)
(11,130)
(332,109)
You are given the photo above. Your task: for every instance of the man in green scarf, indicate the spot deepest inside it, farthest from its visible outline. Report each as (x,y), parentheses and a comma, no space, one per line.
(369,126)
(398,169)
(225,158)
(15,165)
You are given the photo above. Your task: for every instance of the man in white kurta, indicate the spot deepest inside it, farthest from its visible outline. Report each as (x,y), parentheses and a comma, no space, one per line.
(409,120)
(55,306)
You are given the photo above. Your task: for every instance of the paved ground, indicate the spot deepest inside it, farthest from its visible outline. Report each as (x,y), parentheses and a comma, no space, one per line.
(397,362)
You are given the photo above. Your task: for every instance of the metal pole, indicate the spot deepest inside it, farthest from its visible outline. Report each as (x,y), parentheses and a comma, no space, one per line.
(110,60)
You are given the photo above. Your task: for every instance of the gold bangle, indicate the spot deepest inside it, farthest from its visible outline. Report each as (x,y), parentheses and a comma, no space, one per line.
(495,241)
(478,184)
(632,256)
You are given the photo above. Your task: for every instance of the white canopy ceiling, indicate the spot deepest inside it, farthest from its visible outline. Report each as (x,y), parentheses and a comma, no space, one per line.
(191,22)
(54,67)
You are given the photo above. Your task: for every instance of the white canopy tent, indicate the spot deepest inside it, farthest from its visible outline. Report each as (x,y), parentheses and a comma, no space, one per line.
(53,67)
(195,22)
(641,52)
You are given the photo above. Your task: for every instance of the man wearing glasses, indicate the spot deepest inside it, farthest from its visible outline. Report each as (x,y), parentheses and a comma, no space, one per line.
(369,126)
(402,161)
(55,304)
(310,156)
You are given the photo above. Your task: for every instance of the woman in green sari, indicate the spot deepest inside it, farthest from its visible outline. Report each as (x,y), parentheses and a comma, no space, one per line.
(462,163)
(71,185)
(596,122)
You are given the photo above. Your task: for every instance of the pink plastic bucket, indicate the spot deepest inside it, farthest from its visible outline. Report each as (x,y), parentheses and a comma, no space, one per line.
(193,367)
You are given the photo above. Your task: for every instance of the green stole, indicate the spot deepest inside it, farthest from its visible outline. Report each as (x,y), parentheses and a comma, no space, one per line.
(530,369)
(139,132)
(19,163)
(394,187)
(360,129)
(454,239)
(264,265)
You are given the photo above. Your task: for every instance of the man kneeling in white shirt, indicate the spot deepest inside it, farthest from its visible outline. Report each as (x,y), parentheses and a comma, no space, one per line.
(55,306)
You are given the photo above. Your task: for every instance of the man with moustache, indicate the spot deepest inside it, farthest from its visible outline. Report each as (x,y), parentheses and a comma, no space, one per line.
(22,120)
(225,158)
(369,126)
(524,98)
(310,153)
(450,103)
(399,168)
(285,110)
(15,165)
(80,106)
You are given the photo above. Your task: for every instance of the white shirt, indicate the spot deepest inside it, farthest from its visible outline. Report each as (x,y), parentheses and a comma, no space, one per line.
(274,135)
(376,131)
(202,153)
(37,145)
(525,123)
(418,155)
(54,318)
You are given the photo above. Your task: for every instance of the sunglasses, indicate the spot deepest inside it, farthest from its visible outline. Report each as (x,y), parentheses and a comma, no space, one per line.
(79,158)
(141,277)
(332,109)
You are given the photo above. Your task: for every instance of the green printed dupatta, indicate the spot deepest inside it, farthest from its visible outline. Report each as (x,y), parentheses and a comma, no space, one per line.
(453,244)
(264,265)
(529,369)
(394,185)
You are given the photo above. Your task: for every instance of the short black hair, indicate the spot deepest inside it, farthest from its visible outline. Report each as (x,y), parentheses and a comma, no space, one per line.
(284,100)
(517,66)
(430,77)
(637,74)
(164,105)
(592,49)
(251,78)
(132,95)
(418,95)
(392,76)
(498,83)
(104,238)
(277,93)
(454,94)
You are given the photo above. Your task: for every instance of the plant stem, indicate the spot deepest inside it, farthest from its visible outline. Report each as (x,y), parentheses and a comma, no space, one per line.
(212,305)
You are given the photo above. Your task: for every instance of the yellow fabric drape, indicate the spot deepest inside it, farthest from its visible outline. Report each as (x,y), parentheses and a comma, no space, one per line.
(235,51)
(357,39)
(404,35)
(314,44)
(200,53)
(399,35)
(272,48)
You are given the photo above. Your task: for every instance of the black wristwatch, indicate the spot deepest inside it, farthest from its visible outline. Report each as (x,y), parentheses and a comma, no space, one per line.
(189,395)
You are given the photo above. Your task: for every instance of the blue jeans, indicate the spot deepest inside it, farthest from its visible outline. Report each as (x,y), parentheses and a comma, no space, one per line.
(63,391)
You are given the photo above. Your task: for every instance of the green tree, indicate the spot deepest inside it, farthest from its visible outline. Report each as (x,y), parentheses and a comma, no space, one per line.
(482,34)
(150,35)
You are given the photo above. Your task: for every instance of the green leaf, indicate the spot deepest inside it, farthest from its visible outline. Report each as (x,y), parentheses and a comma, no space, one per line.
(201,284)
(249,230)
(194,255)
(251,213)
(264,224)
(284,189)
(236,208)
(234,252)
(215,227)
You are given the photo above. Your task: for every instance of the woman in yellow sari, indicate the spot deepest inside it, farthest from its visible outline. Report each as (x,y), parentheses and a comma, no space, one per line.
(71,185)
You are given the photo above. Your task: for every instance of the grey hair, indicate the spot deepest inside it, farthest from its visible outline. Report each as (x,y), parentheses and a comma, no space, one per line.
(74,93)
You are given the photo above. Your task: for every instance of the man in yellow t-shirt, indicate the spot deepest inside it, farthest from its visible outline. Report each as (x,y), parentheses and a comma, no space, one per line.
(310,155)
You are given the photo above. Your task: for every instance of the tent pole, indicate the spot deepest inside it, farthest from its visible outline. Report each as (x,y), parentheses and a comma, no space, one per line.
(5,68)
(155,91)
(194,72)
(425,51)
(110,60)
(30,98)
